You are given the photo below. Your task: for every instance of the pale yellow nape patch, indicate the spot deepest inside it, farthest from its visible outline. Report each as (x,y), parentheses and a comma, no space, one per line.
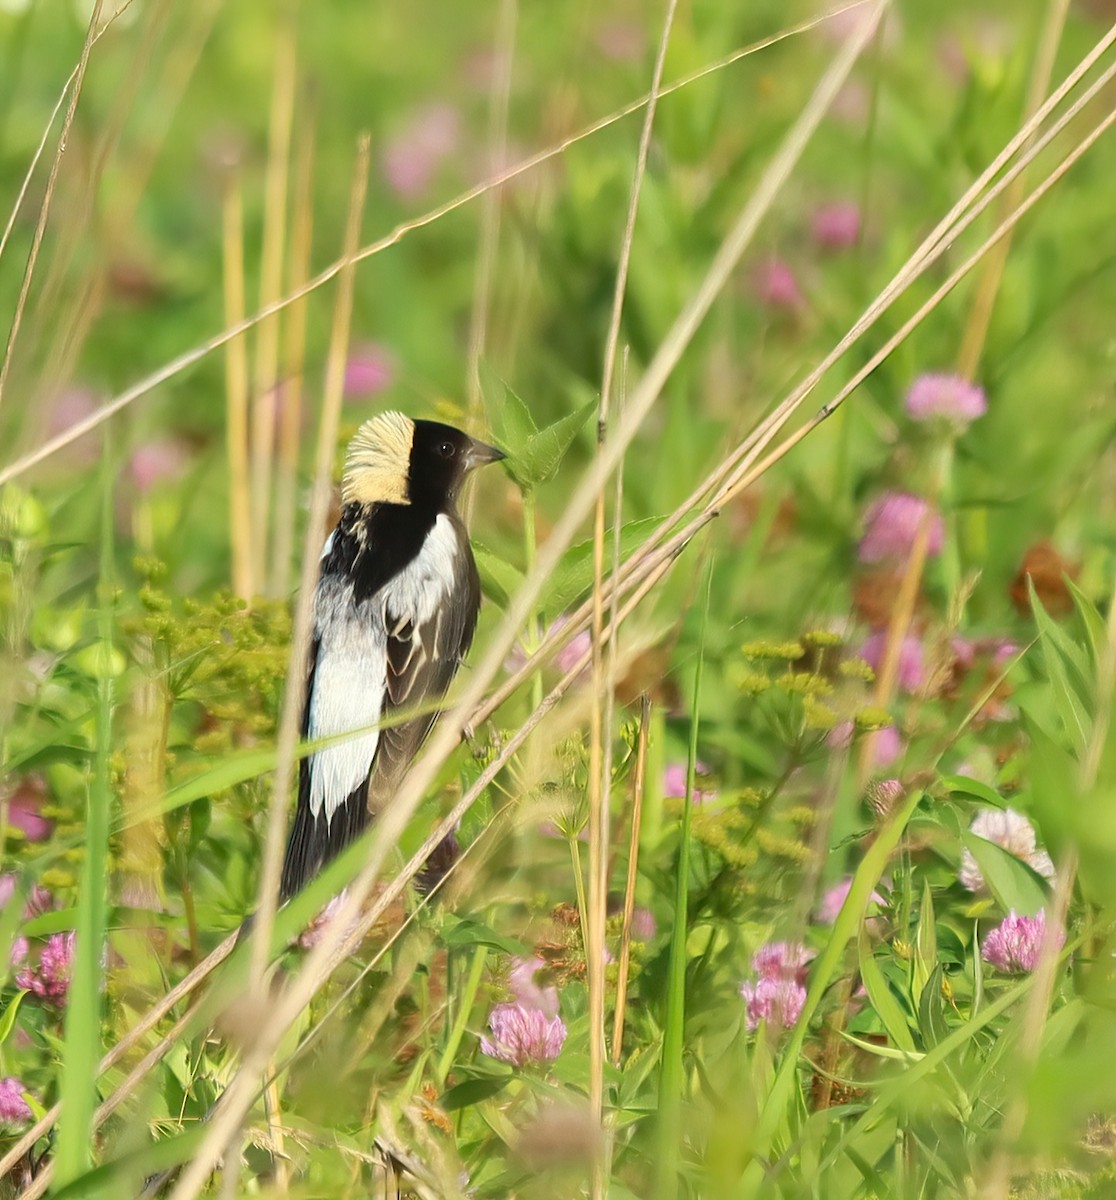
(377,462)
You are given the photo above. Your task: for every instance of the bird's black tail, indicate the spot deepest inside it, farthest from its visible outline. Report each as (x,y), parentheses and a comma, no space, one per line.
(314,841)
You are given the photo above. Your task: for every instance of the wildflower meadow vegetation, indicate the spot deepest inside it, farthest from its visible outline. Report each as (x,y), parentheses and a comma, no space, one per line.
(767,844)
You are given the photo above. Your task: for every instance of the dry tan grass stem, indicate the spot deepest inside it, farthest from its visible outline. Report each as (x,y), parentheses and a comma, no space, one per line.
(266,372)
(300,637)
(601,704)
(236,392)
(290,424)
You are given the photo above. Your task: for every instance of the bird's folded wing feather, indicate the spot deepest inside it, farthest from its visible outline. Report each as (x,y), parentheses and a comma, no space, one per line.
(422,659)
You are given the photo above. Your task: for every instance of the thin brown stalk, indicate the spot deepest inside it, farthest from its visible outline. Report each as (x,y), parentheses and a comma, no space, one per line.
(24,187)
(236,392)
(600,723)
(191,357)
(319,504)
(48,195)
(630,887)
(290,425)
(264,397)
(275,1130)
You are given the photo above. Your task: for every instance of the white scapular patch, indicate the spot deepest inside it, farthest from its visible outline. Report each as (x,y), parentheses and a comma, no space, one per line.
(350,677)
(378,461)
(328,545)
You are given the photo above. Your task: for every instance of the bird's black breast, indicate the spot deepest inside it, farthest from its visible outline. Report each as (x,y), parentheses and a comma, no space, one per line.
(371,546)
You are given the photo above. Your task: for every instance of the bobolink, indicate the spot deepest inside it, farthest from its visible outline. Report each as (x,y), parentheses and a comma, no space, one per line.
(394,614)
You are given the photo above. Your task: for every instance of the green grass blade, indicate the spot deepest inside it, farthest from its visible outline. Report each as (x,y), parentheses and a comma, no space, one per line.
(670,1078)
(82,1041)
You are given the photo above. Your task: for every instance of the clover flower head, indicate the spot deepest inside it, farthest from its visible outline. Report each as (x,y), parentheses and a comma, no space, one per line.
(50,980)
(946,397)
(1014,945)
(368,370)
(782,960)
(1011,831)
(14,1109)
(836,226)
(522,1035)
(774,1001)
(674,782)
(834,900)
(776,286)
(891,525)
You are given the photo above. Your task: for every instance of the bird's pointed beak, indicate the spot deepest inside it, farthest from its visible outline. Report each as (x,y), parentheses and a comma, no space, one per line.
(479,454)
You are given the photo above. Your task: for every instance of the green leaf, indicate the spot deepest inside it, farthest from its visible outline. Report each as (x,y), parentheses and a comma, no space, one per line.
(7,1018)
(573,576)
(463,931)
(138,1164)
(82,1023)
(60,920)
(544,451)
(508,416)
(925,960)
(931,1019)
(1014,884)
(499,579)
(1068,672)
(882,998)
(473,1091)
(962,785)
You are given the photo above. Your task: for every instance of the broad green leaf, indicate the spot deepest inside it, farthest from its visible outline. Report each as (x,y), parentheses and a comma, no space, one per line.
(1091,621)
(1054,787)
(473,1091)
(544,451)
(573,576)
(931,1019)
(1014,884)
(1068,672)
(105,1180)
(882,998)
(463,931)
(508,416)
(499,579)
(7,1018)
(963,785)
(889,1052)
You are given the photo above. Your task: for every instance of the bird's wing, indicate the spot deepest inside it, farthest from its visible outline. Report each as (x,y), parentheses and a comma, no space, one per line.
(422,658)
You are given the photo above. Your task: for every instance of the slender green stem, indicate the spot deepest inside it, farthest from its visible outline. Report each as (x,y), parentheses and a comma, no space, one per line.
(532,629)
(464,1008)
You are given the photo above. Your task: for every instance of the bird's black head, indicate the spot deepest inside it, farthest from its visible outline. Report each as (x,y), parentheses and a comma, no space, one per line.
(394,460)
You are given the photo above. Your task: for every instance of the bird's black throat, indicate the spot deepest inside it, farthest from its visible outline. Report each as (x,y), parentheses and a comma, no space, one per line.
(373,543)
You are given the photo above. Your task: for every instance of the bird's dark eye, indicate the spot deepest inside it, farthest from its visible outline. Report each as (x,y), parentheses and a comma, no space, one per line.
(447,449)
